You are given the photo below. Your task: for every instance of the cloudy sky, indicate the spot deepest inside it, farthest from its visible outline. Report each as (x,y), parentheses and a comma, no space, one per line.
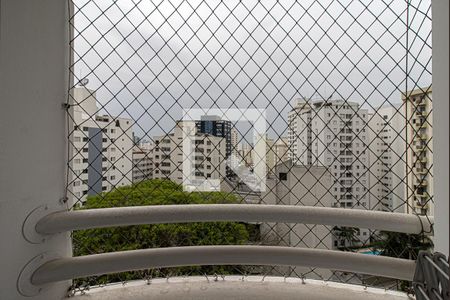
(146,58)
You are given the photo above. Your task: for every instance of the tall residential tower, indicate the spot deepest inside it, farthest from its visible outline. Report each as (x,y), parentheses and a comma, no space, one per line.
(333,134)
(419,137)
(102,148)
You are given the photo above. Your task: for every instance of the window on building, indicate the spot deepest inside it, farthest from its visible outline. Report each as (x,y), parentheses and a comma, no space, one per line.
(282,176)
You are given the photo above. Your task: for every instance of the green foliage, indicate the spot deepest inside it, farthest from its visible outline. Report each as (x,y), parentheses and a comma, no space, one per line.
(158,192)
(402,245)
(348,235)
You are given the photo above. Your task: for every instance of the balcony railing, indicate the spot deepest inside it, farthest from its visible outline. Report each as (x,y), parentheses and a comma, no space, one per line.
(96,264)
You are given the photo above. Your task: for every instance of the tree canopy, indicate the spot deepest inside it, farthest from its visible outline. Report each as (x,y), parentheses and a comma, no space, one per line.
(158,192)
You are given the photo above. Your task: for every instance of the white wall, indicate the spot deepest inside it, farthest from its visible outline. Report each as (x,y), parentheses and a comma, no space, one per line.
(440,10)
(302,189)
(34,59)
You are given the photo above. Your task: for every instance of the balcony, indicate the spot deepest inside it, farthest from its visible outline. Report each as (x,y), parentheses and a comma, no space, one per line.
(422,103)
(421,193)
(421,171)
(423,159)
(422,182)
(143,65)
(422,136)
(53,269)
(423,201)
(420,148)
(234,287)
(421,125)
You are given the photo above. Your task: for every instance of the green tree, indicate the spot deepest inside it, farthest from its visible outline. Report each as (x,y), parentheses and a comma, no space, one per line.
(158,192)
(347,235)
(401,245)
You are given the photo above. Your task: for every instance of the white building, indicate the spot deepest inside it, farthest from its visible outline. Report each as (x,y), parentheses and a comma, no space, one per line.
(142,163)
(286,189)
(101,148)
(209,158)
(333,134)
(387,159)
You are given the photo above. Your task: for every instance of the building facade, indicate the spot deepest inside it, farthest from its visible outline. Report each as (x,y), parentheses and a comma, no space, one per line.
(142,163)
(387,162)
(286,189)
(214,125)
(333,134)
(281,150)
(101,148)
(234,141)
(419,136)
(209,157)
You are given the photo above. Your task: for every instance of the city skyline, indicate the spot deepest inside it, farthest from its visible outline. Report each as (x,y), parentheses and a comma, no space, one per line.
(369,132)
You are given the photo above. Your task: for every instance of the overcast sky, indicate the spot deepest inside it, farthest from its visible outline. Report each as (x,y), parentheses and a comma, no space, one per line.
(170,55)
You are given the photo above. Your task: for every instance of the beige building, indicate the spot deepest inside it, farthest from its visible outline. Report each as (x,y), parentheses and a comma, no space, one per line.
(234,141)
(270,157)
(419,135)
(245,153)
(276,152)
(281,150)
(101,148)
(208,160)
(142,163)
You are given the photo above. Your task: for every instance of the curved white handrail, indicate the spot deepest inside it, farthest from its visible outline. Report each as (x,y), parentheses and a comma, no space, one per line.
(82,266)
(124,216)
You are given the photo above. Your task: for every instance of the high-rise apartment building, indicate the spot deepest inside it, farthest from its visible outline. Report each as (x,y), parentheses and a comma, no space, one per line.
(387,159)
(142,163)
(270,156)
(101,148)
(419,135)
(168,158)
(281,150)
(234,141)
(333,134)
(214,125)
